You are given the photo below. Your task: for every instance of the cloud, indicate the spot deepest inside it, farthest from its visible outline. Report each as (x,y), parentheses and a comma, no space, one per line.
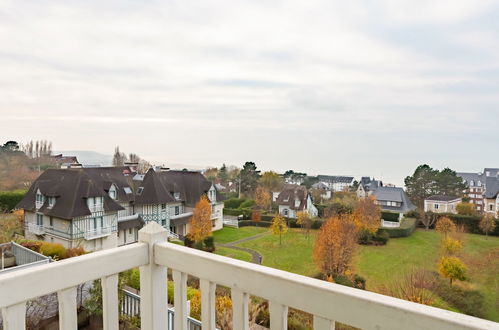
(275,77)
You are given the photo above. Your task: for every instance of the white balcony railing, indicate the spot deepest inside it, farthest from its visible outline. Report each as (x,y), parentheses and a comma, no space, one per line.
(36,229)
(390,224)
(328,302)
(97,233)
(181,215)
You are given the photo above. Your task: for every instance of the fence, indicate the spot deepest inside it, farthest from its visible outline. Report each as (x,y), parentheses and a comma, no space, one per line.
(24,257)
(131,307)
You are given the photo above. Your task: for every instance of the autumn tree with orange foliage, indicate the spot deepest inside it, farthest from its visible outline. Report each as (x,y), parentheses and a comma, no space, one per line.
(367,215)
(200,223)
(335,246)
(445,226)
(262,198)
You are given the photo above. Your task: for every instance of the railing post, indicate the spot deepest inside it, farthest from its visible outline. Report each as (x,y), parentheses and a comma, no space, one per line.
(180,300)
(110,302)
(208,304)
(240,316)
(278,316)
(322,323)
(67,309)
(14,317)
(153,289)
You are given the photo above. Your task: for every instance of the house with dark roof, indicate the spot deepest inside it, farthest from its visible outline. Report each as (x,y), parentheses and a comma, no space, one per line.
(336,182)
(441,204)
(477,186)
(491,195)
(367,186)
(105,207)
(293,199)
(393,200)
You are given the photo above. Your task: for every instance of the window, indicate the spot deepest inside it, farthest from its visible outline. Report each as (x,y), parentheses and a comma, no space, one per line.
(163,207)
(39,219)
(177,210)
(127,190)
(51,221)
(285,212)
(163,222)
(491,207)
(435,206)
(112,193)
(130,231)
(139,191)
(472,183)
(176,195)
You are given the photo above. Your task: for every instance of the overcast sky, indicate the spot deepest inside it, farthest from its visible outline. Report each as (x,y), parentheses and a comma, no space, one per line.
(325,87)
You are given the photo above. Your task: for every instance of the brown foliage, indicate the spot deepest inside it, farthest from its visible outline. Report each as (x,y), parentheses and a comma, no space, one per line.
(200,223)
(415,286)
(9,225)
(335,245)
(256,216)
(304,220)
(262,198)
(487,224)
(428,219)
(367,215)
(445,226)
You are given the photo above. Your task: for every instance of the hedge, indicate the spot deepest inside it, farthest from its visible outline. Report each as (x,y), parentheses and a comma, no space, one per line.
(237,212)
(248,223)
(406,228)
(9,199)
(233,203)
(390,216)
(470,223)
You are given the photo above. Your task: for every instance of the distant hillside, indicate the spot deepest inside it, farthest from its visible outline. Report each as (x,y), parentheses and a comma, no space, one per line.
(87,157)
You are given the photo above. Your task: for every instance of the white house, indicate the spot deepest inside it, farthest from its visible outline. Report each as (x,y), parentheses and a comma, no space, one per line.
(441,204)
(336,182)
(294,199)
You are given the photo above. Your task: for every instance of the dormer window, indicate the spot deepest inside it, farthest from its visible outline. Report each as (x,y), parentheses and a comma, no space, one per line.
(112,192)
(479,183)
(139,191)
(176,195)
(472,183)
(127,190)
(39,199)
(51,201)
(297,202)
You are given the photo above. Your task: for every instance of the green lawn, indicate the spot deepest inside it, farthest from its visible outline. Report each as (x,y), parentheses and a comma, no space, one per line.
(381,264)
(231,253)
(294,255)
(229,234)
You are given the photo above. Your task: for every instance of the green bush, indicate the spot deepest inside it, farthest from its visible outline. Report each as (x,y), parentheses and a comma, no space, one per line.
(390,216)
(233,203)
(380,238)
(250,223)
(406,228)
(9,199)
(470,223)
(469,302)
(190,292)
(247,204)
(246,213)
(209,244)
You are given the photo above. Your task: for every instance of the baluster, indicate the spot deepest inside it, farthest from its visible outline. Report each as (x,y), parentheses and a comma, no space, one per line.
(153,291)
(208,304)
(110,302)
(14,317)
(240,317)
(278,316)
(180,300)
(68,318)
(322,323)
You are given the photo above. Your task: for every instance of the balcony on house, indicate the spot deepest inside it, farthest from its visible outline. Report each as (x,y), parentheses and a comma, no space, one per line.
(97,233)
(36,229)
(15,257)
(327,302)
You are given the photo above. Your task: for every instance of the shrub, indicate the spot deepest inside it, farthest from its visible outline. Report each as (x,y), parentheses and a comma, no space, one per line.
(246,213)
(471,223)
(32,245)
(209,244)
(381,237)
(74,252)
(249,223)
(390,216)
(233,203)
(9,199)
(188,241)
(470,302)
(54,250)
(359,282)
(406,228)
(365,237)
(247,204)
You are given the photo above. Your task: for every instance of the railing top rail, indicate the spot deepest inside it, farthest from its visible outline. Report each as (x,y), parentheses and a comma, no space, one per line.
(33,282)
(355,307)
